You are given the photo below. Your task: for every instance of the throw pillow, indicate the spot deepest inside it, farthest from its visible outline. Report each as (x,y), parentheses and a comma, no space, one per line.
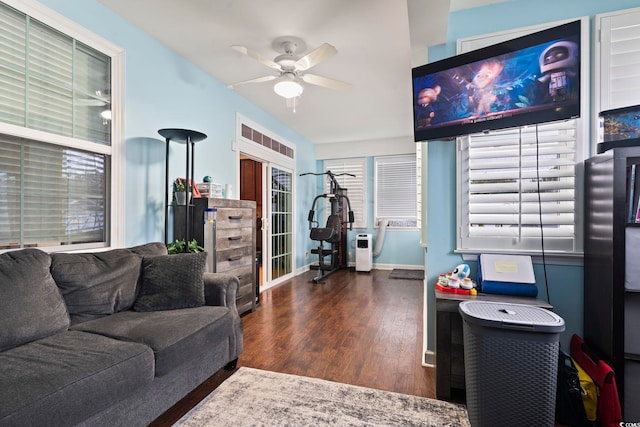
(148,249)
(170,282)
(97,284)
(31,306)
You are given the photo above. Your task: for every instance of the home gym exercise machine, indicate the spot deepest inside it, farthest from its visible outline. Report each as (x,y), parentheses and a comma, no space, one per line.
(335,231)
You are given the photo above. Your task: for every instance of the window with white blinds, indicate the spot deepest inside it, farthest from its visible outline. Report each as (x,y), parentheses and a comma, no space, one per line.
(396,191)
(52,82)
(514,181)
(355,186)
(519,190)
(618,59)
(56,150)
(50,194)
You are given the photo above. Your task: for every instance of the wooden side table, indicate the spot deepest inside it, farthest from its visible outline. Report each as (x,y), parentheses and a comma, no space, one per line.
(450,383)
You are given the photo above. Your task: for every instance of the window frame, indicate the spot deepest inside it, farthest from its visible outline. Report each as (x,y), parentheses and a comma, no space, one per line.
(581,153)
(607,57)
(115,187)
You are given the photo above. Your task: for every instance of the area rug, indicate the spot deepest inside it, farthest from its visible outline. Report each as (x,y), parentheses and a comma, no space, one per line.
(254,397)
(401,273)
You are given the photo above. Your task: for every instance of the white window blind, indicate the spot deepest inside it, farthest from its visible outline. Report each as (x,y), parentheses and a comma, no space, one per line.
(518,190)
(51,82)
(355,185)
(618,59)
(50,194)
(515,180)
(396,190)
(55,133)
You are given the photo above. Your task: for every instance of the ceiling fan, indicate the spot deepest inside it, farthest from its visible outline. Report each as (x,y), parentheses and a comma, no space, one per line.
(99,98)
(292,68)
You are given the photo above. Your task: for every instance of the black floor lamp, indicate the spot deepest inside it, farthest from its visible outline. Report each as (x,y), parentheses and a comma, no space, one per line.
(189,138)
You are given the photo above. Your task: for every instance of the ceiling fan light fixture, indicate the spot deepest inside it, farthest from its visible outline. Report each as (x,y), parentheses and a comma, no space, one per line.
(288,88)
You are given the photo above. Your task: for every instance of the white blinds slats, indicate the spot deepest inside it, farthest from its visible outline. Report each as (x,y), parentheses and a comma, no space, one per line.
(396,196)
(620,41)
(63,194)
(509,234)
(50,69)
(507,170)
(40,68)
(12,67)
(92,82)
(498,209)
(355,186)
(516,185)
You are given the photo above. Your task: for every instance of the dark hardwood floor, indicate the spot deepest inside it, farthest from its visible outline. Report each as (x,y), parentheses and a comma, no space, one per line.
(357,328)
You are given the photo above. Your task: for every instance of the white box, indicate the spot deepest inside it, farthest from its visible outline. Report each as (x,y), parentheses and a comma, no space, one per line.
(507,268)
(210,189)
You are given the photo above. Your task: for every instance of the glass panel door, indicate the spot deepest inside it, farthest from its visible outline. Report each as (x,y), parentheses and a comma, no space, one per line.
(281,251)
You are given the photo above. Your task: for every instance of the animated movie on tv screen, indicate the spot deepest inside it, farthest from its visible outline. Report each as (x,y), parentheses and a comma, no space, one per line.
(531,79)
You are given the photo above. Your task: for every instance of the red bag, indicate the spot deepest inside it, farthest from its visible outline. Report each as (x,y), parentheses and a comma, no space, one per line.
(609,411)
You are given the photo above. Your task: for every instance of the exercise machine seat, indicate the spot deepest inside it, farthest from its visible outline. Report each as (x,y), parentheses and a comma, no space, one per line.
(330,233)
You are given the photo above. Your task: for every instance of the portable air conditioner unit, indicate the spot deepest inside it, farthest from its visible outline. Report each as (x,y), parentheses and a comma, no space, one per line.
(364,254)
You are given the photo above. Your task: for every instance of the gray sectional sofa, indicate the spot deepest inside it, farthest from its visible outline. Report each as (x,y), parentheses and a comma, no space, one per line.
(111,338)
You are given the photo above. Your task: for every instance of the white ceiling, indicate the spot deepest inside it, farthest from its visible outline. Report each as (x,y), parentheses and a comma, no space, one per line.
(378,41)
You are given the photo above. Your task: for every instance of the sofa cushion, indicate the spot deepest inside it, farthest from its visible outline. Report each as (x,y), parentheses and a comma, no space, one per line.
(31,306)
(174,335)
(96,284)
(65,378)
(171,282)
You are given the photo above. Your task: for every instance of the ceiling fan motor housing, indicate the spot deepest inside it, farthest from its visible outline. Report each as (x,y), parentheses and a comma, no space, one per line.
(286,61)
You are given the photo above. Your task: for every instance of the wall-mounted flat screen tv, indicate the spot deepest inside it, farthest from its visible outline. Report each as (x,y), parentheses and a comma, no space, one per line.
(527,80)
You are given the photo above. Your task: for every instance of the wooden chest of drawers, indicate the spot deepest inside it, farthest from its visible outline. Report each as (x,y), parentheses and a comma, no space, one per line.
(235,251)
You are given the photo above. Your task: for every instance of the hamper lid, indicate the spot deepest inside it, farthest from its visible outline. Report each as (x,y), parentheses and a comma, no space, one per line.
(511,316)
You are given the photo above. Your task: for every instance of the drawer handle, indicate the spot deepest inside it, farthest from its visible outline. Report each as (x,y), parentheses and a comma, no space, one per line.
(235,217)
(235,238)
(235,258)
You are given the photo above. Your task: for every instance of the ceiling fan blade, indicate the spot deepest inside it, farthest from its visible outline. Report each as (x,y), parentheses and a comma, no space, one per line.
(255,55)
(315,57)
(326,82)
(96,98)
(256,80)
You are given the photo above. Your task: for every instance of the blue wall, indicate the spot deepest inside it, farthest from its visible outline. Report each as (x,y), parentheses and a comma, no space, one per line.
(163,90)
(400,248)
(565,282)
